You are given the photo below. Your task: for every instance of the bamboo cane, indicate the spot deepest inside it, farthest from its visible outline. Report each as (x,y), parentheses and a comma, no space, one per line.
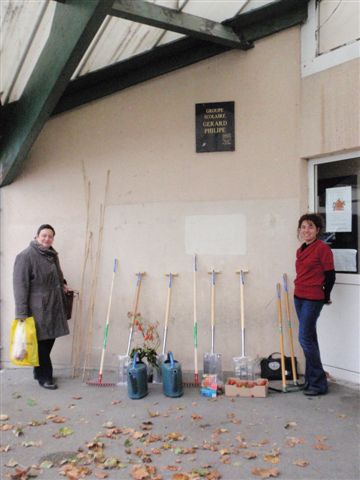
(95,278)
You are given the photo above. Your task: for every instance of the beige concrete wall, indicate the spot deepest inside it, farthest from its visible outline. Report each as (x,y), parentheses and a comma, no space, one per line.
(330,111)
(145,137)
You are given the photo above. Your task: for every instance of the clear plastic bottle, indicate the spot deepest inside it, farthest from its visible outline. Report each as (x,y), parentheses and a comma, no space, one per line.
(256,367)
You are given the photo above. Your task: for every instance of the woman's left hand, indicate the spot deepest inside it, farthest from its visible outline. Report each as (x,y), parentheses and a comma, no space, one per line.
(66,289)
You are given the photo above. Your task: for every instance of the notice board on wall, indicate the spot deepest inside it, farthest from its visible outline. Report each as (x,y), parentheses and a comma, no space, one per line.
(215,127)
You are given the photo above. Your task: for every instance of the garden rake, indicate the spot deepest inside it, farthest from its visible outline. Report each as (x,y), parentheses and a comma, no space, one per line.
(99,381)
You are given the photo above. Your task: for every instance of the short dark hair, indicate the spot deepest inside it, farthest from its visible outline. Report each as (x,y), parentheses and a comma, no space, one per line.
(45,226)
(314,218)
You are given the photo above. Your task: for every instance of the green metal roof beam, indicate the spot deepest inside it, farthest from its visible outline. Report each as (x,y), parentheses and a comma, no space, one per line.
(169,19)
(74,25)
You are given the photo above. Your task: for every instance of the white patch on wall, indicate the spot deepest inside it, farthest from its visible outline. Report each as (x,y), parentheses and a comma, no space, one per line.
(215,234)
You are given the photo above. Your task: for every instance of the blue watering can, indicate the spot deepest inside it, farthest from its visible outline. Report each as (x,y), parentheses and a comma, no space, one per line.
(137,379)
(172,377)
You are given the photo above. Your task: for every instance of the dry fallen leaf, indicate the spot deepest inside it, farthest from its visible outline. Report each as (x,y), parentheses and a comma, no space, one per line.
(171,468)
(290,425)
(73,472)
(12,463)
(180,476)
(100,474)
(109,425)
(250,455)
(321,446)
(63,432)
(261,443)
(265,472)
(153,414)
(6,426)
(139,472)
(58,419)
(301,463)
(4,417)
(213,475)
(111,462)
(292,441)
(175,436)
(195,416)
(146,426)
(31,443)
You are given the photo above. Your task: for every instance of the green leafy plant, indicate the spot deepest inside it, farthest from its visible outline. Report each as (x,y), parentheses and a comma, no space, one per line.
(145,352)
(147,340)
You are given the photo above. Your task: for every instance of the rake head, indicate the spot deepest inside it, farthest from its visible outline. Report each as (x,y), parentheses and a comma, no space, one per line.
(99,382)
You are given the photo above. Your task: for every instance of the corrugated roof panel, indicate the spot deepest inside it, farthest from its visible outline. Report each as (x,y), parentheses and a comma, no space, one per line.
(23,34)
(120,39)
(217,11)
(25,25)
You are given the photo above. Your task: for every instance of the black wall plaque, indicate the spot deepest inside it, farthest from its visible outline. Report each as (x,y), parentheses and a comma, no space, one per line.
(215,127)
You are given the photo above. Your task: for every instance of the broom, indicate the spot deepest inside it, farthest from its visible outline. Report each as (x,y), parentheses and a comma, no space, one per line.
(99,382)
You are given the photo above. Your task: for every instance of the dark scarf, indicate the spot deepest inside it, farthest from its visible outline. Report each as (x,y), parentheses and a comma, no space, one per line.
(49,253)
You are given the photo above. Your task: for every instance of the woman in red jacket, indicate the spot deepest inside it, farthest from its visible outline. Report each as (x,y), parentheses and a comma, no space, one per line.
(315,277)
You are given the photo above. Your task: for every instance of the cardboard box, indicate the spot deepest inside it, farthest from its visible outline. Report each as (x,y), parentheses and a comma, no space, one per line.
(238,388)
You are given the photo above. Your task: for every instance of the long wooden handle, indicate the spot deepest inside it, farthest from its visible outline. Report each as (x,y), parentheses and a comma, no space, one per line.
(107,318)
(279,312)
(213,276)
(167,313)
(167,308)
(290,331)
(196,368)
(135,309)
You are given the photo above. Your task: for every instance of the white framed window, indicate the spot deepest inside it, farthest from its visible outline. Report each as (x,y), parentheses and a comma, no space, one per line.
(334,193)
(331,35)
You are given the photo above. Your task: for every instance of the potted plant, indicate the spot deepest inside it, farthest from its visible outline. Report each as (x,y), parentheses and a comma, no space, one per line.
(147,341)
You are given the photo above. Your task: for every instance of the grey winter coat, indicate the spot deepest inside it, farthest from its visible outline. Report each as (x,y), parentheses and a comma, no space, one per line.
(39,290)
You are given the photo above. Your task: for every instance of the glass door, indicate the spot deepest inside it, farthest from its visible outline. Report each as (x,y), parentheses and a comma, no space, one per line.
(335,196)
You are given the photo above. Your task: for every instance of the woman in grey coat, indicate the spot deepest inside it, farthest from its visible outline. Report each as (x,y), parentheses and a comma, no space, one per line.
(39,291)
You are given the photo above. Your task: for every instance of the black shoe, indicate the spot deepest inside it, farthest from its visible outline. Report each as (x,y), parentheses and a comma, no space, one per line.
(48,385)
(313,393)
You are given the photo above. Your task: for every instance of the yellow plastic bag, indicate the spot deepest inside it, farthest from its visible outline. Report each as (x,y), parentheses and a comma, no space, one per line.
(23,343)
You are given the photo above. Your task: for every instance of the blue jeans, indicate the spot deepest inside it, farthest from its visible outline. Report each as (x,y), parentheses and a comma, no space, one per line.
(308,312)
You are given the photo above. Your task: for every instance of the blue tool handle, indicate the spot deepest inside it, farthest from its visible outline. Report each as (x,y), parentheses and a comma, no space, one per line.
(138,279)
(195,263)
(278,290)
(213,277)
(285,283)
(242,277)
(170,280)
(115,265)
